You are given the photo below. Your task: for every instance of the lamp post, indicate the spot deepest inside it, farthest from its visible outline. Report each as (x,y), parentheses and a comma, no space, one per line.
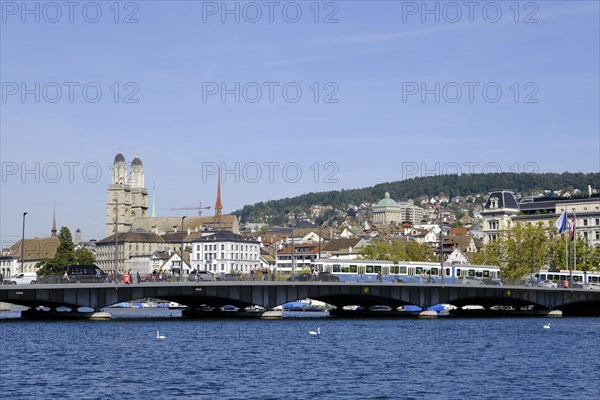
(181,254)
(293,248)
(23,243)
(441,222)
(116,240)
(320,226)
(532,258)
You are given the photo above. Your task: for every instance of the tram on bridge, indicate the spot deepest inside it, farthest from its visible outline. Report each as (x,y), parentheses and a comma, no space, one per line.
(405,271)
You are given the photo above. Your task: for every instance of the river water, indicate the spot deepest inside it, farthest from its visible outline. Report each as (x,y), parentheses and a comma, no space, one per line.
(447,358)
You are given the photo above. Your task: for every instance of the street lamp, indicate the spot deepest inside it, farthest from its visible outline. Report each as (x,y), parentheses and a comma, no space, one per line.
(293,247)
(23,243)
(181,254)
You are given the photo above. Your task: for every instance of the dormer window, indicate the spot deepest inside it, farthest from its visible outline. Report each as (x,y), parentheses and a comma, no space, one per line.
(494,202)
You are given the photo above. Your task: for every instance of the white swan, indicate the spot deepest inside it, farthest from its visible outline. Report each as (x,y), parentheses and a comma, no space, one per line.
(547,326)
(159,337)
(318,332)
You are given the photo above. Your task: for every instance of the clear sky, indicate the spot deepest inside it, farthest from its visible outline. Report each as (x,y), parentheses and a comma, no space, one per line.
(389,90)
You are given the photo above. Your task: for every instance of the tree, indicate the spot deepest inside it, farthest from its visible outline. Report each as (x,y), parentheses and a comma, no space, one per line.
(525,248)
(396,250)
(84,256)
(64,256)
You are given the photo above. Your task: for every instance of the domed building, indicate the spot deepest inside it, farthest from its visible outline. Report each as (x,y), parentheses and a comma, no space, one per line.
(387,211)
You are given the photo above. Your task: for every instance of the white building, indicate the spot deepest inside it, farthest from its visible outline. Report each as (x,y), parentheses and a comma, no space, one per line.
(501,211)
(387,211)
(225,252)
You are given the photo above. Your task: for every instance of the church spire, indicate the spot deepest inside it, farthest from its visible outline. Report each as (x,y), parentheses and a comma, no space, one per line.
(54,220)
(218,205)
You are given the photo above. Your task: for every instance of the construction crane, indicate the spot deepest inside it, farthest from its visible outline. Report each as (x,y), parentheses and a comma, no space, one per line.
(199,208)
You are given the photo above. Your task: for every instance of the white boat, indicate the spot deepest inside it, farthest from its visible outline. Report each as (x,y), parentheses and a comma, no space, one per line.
(176,306)
(303,309)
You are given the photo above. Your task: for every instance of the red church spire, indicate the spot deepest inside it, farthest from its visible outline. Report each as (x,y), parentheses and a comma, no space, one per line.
(218,205)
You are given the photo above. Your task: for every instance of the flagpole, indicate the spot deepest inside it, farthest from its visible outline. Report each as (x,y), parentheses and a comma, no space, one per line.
(574,242)
(571,266)
(567,252)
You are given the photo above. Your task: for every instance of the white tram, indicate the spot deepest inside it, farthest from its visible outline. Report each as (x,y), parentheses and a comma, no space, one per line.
(405,271)
(583,278)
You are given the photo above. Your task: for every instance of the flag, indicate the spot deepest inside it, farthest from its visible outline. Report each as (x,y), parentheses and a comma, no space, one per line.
(561,222)
(572,233)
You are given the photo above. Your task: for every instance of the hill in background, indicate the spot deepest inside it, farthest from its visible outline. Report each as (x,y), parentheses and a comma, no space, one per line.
(275,211)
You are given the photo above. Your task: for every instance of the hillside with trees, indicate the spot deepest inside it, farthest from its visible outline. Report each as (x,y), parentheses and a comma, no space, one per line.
(274,212)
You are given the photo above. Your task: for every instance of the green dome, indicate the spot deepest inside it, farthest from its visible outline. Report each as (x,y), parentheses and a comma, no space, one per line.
(387,202)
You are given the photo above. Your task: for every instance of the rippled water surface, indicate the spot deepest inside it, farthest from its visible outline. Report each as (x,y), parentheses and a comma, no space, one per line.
(251,359)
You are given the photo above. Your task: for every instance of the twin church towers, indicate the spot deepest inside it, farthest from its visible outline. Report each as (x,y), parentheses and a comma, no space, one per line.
(127,198)
(127,204)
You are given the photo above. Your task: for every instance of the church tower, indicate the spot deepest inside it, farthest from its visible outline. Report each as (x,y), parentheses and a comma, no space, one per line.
(53,230)
(218,204)
(139,194)
(118,200)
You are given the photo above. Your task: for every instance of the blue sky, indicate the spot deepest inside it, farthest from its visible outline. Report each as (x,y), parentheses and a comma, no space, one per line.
(368,123)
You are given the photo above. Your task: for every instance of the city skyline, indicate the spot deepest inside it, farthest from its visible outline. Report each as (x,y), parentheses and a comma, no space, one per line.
(388,93)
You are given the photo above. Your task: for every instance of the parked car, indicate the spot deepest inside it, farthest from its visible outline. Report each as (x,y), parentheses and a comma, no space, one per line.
(88,273)
(196,276)
(593,286)
(22,278)
(308,277)
(547,284)
(471,281)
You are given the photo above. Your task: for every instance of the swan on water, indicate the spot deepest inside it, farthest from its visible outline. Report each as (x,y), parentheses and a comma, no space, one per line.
(318,332)
(547,326)
(159,337)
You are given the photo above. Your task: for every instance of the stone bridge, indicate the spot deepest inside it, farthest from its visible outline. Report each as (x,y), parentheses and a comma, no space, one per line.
(271,294)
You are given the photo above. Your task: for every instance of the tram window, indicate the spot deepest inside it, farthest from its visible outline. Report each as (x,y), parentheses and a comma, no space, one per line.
(435,271)
(486,274)
(403,270)
(447,271)
(471,272)
(336,268)
(419,270)
(563,277)
(345,269)
(394,269)
(458,272)
(369,269)
(594,278)
(320,267)
(541,276)
(353,269)
(377,268)
(478,274)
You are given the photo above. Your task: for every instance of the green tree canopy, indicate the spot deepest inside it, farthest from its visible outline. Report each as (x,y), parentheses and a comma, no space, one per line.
(64,256)
(398,250)
(526,248)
